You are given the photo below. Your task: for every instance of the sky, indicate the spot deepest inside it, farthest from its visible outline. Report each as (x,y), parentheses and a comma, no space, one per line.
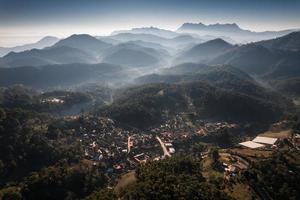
(26,20)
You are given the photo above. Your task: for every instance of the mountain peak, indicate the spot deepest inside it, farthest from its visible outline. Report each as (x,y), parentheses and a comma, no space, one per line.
(84,42)
(77,38)
(80,36)
(81,40)
(48,40)
(218,41)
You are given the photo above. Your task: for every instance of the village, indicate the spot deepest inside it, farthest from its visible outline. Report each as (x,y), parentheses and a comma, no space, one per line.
(117,151)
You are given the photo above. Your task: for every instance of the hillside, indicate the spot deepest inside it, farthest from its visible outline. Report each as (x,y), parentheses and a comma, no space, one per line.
(130,57)
(61,75)
(288,42)
(224,76)
(38,57)
(146,106)
(152,45)
(84,42)
(204,51)
(289,86)
(257,59)
(133,55)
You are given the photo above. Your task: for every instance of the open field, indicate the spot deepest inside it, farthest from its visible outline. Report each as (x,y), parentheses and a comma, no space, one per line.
(125,180)
(280,134)
(246,152)
(240,191)
(207,170)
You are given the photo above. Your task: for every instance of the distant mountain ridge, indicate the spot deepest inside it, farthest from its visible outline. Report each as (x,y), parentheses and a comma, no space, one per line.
(231,30)
(39,57)
(173,42)
(81,48)
(42,43)
(210,27)
(149,30)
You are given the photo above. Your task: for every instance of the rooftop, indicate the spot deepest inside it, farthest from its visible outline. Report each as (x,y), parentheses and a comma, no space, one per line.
(265,140)
(252,145)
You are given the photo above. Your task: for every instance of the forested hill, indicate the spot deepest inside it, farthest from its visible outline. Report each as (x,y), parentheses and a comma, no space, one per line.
(145,106)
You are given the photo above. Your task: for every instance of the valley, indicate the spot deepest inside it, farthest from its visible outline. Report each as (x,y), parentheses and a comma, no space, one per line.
(201,112)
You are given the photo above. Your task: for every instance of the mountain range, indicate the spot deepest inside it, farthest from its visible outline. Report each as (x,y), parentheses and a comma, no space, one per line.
(264,57)
(62,75)
(276,61)
(51,55)
(149,30)
(87,49)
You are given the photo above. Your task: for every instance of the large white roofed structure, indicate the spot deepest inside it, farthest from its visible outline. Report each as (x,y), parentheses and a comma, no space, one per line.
(252,145)
(265,140)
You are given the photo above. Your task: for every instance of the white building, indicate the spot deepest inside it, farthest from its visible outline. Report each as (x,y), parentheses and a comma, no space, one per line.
(168,144)
(171,150)
(252,145)
(265,140)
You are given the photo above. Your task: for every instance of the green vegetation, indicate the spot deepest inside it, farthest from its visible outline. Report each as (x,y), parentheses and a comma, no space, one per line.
(173,178)
(146,106)
(57,182)
(25,140)
(277,177)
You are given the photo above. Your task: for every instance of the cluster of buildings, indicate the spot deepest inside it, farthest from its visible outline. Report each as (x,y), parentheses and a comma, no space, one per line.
(233,165)
(53,100)
(209,128)
(115,149)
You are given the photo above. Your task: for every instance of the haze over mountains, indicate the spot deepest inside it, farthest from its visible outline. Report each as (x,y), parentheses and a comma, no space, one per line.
(148,50)
(231,30)
(252,75)
(264,57)
(44,42)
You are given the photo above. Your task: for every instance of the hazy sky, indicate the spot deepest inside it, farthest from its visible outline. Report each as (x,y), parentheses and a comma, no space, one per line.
(36,18)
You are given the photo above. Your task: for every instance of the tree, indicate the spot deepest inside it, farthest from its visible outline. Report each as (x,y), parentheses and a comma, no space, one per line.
(173,178)
(10,193)
(2,114)
(215,155)
(104,194)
